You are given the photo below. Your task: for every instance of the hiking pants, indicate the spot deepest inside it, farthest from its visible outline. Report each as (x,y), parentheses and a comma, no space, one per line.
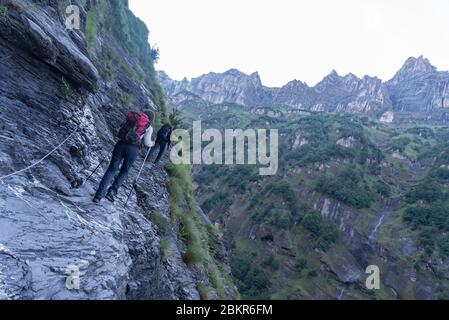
(125,152)
(162,145)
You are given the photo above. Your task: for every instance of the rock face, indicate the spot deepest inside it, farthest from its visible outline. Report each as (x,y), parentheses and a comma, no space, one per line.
(376,235)
(350,94)
(50,89)
(361,252)
(418,88)
(387,117)
(231,86)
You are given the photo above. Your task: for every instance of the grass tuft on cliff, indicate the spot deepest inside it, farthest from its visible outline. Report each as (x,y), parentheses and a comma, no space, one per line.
(197,236)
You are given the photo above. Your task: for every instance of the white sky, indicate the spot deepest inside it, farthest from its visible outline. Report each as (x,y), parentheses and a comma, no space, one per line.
(295,39)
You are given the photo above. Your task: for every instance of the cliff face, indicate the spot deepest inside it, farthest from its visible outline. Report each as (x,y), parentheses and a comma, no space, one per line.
(57,84)
(417,88)
(275,227)
(230,86)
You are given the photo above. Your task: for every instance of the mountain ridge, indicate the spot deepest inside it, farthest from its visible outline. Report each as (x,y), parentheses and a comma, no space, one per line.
(336,171)
(334,93)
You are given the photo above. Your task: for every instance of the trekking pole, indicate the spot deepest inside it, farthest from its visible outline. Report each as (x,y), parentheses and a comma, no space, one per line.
(137,177)
(92,173)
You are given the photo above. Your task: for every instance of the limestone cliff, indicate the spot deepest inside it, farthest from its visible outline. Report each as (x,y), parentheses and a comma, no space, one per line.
(56,84)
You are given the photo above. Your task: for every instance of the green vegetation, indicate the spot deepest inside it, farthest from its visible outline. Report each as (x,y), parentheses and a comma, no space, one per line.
(195,252)
(239,176)
(62,6)
(309,154)
(133,32)
(400,143)
(348,186)
(430,217)
(285,190)
(127,100)
(443,293)
(300,264)
(444,245)
(272,262)
(176,120)
(427,212)
(276,217)
(198,239)
(270,209)
(180,194)
(218,201)
(312,273)
(424,132)
(441,174)
(124,28)
(252,282)
(322,133)
(93,20)
(429,191)
(65,90)
(209,173)
(159,221)
(227,277)
(165,244)
(112,58)
(277,204)
(435,214)
(271,218)
(155,54)
(3,13)
(203,290)
(323,231)
(382,188)
(216,282)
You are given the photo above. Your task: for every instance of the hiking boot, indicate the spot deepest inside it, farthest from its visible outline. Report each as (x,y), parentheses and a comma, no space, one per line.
(110,196)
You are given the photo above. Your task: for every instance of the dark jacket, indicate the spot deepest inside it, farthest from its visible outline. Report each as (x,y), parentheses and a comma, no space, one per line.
(164,134)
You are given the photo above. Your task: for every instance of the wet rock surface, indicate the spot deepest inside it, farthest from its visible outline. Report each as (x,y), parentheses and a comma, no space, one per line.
(50,89)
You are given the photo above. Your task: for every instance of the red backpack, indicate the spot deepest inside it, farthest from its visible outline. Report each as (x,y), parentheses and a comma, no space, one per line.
(134,127)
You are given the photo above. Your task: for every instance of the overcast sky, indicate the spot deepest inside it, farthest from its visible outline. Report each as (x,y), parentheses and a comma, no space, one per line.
(295,39)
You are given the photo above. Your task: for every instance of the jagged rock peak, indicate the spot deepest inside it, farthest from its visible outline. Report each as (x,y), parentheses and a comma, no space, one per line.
(333,73)
(332,76)
(415,66)
(295,83)
(255,77)
(235,72)
(351,76)
(417,87)
(419,64)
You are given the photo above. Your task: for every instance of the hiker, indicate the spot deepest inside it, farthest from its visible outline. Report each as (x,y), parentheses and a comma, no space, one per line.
(162,140)
(136,130)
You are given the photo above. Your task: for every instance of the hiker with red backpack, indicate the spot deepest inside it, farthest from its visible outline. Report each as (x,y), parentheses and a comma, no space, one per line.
(135,132)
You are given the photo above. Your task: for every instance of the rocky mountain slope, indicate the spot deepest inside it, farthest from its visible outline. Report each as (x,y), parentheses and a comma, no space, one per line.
(355,186)
(417,88)
(350,192)
(76,86)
